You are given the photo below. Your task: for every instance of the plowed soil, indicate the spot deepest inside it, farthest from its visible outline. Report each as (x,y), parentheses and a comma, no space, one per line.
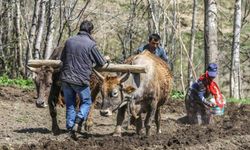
(24,127)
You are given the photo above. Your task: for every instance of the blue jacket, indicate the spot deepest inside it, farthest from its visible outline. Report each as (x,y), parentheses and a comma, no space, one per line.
(79,55)
(159,51)
(198,90)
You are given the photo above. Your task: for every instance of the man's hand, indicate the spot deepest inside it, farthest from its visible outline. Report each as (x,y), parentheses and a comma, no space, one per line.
(207,103)
(107,58)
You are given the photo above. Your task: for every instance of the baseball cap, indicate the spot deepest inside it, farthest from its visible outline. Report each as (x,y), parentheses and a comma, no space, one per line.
(212,70)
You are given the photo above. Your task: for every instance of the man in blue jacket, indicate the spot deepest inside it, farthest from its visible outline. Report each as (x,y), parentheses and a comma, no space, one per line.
(79,55)
(154,47)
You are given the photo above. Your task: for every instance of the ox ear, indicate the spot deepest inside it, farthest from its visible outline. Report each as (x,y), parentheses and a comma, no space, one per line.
(98,75)
(124,77)
(36,70)
(129,89)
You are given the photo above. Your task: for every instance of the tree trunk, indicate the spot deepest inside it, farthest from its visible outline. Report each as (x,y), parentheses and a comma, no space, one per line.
(181,73)
(235,77)
(126,40)
(1,32)
(13,50)
(19,48)
(174,26)
(155,14)
(7,37)
(192,45)
(32,31)
(39,36)
(50,30)
(6,27)
(210,32)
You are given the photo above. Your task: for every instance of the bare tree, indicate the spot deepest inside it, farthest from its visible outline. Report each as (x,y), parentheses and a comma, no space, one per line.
(30,44)
(192,42)
(126,40)
(1,30)
(173,32)
(155,14)
(19,49)
(50,29)
(246,12)
(41,22)
(210,32)
(7,26)
(235,77)
(66,17)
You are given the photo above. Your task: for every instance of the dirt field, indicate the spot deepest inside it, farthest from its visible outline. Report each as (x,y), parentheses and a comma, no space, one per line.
(23,126)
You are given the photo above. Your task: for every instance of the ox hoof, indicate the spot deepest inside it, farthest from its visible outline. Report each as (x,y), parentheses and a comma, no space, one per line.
(56,131)
(42,105)
(88,126)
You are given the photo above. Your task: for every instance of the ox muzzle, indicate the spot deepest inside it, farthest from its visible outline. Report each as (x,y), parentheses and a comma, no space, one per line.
(40,103)
(106,112)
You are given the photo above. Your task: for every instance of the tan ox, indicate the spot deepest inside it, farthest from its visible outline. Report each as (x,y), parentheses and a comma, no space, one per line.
(146,92)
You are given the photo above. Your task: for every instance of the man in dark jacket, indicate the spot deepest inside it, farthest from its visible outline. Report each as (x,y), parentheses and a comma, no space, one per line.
(79,55)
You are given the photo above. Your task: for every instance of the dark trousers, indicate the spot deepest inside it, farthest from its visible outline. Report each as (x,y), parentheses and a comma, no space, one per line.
(197,112)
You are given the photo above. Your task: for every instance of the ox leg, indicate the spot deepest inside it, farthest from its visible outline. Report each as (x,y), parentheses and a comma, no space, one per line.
(52,100)
(119,120)
(89,122)
(149,117)
(158,120)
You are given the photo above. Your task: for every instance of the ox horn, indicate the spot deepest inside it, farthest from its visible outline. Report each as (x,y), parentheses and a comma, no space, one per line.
(99,75)
(33,69)
(124,77)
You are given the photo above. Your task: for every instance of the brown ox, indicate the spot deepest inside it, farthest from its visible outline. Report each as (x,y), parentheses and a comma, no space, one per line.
(147,91)
(48,88)
(43,78)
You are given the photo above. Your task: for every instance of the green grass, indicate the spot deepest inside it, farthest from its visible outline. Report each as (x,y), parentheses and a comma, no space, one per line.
(178,95)
(19,82)
(243,101)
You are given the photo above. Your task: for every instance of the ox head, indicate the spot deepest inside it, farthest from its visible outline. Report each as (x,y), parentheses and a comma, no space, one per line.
(112,92)
(43,80)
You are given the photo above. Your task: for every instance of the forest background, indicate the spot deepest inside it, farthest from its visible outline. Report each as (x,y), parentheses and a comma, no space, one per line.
(193,34)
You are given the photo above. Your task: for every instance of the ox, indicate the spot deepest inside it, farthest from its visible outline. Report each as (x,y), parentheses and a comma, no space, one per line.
(147,92)
(48,88)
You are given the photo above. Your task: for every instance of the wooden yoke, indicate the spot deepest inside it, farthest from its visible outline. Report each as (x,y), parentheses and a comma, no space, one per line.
(36,63)
(105,68)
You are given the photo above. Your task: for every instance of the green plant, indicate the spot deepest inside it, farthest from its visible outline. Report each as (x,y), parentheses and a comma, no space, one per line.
(243,101)
(23,83)
(177,95)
